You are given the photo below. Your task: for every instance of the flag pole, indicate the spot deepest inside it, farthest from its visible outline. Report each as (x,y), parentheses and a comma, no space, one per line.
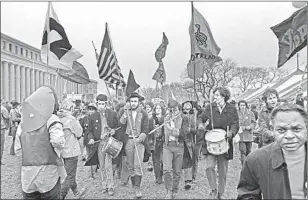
(157,95)
(193,23)
(96,60)
(48,45)
(306,184)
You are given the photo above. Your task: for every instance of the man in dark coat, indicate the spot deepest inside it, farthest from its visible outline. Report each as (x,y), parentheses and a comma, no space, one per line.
(279,170)
(220,115)
(102,125)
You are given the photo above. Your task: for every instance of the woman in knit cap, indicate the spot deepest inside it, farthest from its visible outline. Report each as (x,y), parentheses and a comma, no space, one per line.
(72,132)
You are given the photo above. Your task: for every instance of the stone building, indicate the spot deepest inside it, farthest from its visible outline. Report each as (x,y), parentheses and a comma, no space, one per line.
(22,72)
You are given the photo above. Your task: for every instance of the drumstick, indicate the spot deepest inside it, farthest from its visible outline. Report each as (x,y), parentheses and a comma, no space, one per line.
(107,134)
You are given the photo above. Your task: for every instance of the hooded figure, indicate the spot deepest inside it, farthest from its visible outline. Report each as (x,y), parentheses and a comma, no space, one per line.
(40,137)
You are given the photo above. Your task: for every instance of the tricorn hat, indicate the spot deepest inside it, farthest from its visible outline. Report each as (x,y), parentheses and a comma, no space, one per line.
(101,97)
(135,94)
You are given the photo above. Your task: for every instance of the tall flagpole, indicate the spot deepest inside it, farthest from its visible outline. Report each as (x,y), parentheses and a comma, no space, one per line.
(192,26)
(306,184)
(48,44)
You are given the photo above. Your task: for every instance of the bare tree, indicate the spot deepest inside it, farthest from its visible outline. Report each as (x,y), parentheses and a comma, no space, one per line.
(219,74)
(246,78)
(268,75)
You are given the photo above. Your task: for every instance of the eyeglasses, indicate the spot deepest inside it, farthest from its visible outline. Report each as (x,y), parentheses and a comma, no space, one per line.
(101,103)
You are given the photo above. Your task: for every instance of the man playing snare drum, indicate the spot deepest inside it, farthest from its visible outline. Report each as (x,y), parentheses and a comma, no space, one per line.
(220,115)
(101,127)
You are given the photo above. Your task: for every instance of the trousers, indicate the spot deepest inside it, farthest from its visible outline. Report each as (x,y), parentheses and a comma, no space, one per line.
(222,165)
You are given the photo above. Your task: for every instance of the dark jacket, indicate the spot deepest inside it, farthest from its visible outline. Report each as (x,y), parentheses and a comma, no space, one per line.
(187,136)
(95,132)
(84,122)
(227,118)
(144,129)
(265,173)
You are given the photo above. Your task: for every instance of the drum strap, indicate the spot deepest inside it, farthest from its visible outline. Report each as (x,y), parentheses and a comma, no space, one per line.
(211,113)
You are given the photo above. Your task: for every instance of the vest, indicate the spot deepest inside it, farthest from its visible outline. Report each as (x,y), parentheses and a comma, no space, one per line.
(136,124)
(37,149)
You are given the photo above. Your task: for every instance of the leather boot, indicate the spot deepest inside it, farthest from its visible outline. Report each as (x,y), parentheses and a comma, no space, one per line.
(138,192)
(132,178)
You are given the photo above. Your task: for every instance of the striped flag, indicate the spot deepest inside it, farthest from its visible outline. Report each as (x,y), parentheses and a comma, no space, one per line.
(107,63)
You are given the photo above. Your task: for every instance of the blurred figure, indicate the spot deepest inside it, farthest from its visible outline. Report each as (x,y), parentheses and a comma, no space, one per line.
(253,108)
(247,124)
(15,117)
(5,117)
(92,108)
(299,99)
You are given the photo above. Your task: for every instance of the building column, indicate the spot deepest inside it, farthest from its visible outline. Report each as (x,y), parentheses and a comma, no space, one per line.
(41,78)
(32,81)
(37,79)
(23,83)
(28,82)
(3,85)
(12,81)
(17,83)
(51,81)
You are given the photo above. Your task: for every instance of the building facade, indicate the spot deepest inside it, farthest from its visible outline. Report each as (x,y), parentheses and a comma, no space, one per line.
(22,72)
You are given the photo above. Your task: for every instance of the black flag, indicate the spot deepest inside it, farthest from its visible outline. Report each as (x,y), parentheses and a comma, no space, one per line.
(131,84)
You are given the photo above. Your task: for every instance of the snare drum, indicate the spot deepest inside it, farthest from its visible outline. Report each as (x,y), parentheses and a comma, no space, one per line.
(216,142)
(112,147)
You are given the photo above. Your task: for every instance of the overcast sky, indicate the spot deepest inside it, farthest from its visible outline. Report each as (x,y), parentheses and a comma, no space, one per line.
(241,29)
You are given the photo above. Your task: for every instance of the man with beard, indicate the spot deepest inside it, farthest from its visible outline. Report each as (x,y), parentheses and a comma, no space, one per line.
(101,127)
(136,125)
(279,170)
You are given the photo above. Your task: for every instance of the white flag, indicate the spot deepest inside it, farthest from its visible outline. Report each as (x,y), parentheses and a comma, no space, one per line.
(55,44)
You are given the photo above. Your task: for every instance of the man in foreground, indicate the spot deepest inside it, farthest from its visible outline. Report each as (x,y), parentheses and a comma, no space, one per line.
(279,170)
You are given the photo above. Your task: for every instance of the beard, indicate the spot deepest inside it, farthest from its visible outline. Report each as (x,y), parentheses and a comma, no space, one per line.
(134,107)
